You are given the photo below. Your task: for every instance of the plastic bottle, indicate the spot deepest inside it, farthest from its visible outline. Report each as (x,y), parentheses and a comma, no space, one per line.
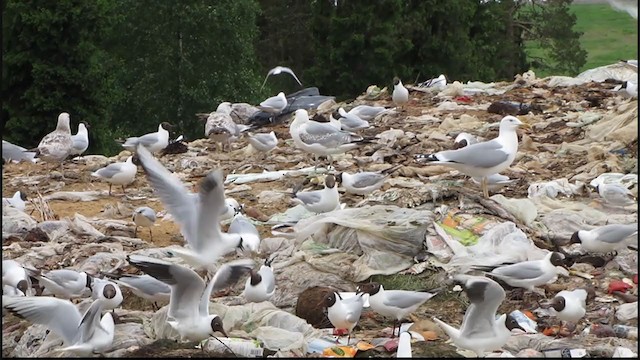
(626,332)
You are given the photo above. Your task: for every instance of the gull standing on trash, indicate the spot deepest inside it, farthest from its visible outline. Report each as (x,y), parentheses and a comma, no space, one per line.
(485,158)
(144,216)
(438,83)
(249,235)
(321,139)
(82,335)
(17,200)
(197,214)
(365,182)
(80,139)
(480,330)
(189,302)
(231,208)
(320,201)
(569,306)
(607,238)
(396,304)
(350,122)
(119,173)
(263,142)
(261,285)
(154,141)
(15,153)
(279,70)
(144,286)
(275,104)
(526,274)
(400,95)
(56,146)
(221,128)
(65,283)
(344,313)
(15,276)
(367,112)
(616,194)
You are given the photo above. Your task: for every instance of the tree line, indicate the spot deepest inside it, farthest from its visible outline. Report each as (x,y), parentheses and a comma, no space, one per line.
(124,66)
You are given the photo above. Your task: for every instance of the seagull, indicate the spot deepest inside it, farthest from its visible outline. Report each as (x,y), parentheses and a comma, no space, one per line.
(344,313)
(527,274)
(365,182)
(367,112)
(321,139)
(145,286)
(320,201)
(82,335)
(231,208)
(607,238)
(350,122)
(484,158)
(400,95)
(631,88)
(249,235)
(119,173)
(80,139)
(397,304)
(616,194)
(56,146)
(17,200)
(154,141)
(279,70)
(189,302)
(463,139)
(65,283)
(144,216)
(438,83)
(221,128)
(15,153)
(197,214)
(274,104)
(261,285)
(263,142)
(404,345)
(569,305)
(15,276)
(480,330)
(107,291)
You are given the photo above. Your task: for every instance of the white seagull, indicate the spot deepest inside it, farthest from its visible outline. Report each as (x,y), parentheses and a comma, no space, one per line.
(400,95)
(56,146)
(249,235)
(119,173)
(396,304)
(15,153)
(144,216)
(320,201)
(607,238)
(480,330)
(438,83)
(198,215)
(263,142)
(463,139)
(80,139)
(189,303)
(17,200)
(344,313)
(321,139)
(231,208)
(616,194)
(569,305)
(154,141)
(527,274)
(145,286)
(365,182)
(65,283)
(367,112)
(274,104)
(107,291)
(279,70)
(15,276)
(350,122)
(82,335)
(485,158)
(261,285)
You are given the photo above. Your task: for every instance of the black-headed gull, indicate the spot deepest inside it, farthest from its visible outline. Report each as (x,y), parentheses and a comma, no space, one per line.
(107,291)
(527,274)
(484,158)
(154,141)
(250,237)
(198,214)
(569,305)
(15,153)
(261,285)
(119,173)
(351,122)
(344,313)
(144,216)
(144,286)
(365,182)
(80,139)
(616,194)
(18,200)
(400,95)
(65,283)
(15,276)
(607,238)
(320,201)
(367,112)
(480,330)
(189,303)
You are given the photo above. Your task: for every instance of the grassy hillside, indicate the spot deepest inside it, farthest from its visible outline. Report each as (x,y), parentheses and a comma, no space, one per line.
(608,35)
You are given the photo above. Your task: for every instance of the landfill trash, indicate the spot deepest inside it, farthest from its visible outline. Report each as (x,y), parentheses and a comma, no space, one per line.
(565,353)
(622,352)
(339,351)
(626,332)
(528,324)
(240,347)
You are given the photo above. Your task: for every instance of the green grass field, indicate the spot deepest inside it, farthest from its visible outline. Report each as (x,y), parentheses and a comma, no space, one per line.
(608,35)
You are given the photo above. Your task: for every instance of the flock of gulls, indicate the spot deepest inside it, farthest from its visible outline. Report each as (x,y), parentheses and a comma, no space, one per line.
(188,287)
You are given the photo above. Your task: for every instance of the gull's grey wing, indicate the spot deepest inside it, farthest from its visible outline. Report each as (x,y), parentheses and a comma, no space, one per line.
(212,205)
(485,296)
(267,276)
(241,225)
(367,179)
(60,316)
(147,212)
(273,102)
(324,134)
(14,152)
(289,71)
(186,285)
(146,284)
(405,299)
(148,139)
(62,276)
(80,142)
(227,275)
(309,197)
(110,170)
(180,203)
(484,155)
(616,233)
(90,322)
(523,270)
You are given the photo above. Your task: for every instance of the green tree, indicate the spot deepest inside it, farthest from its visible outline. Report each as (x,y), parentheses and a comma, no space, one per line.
(52,63)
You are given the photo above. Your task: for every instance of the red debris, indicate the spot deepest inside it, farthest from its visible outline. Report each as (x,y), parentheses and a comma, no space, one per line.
(618,285)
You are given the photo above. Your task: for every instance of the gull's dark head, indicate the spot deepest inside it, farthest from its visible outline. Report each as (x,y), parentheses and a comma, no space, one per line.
(109,291)
(23,196)
(556,259)
(23,286)
(217,326)
(166,125)
(396,80)
(255,277)
(331,299)
(330,181)
(511,323)
(89,282)
(575,238)
(369,288)
(86,124)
